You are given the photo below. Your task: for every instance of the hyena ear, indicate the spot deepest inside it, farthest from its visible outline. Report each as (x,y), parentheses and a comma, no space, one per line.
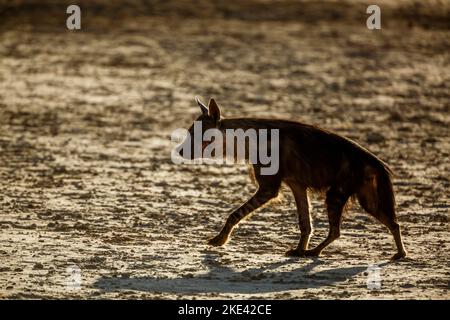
(214,110)
(202,106)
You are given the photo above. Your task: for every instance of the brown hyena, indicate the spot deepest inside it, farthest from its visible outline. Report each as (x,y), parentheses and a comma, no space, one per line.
(311,159)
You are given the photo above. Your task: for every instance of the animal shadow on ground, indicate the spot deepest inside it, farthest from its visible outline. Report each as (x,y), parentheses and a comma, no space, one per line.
(220,278)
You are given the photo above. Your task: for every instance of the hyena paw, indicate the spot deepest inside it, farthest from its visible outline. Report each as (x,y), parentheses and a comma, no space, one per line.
(398,256)
(217,241)
(311,253)
(295,253)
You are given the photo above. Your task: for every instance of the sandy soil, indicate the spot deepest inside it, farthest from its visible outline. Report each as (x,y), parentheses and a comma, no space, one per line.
(86,178)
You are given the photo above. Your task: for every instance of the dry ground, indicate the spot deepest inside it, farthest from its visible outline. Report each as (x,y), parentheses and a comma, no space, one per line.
(85,172)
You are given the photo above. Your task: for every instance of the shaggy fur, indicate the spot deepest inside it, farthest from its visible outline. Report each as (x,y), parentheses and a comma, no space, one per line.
(315,159)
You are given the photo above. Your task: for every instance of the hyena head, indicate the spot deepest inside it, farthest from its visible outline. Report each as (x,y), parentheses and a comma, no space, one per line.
(194,144)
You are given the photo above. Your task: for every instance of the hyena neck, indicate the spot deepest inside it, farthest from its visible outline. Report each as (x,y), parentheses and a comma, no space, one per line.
(253,141)
(240,123)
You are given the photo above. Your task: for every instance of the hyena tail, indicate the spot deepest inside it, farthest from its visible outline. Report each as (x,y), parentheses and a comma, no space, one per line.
(376,194)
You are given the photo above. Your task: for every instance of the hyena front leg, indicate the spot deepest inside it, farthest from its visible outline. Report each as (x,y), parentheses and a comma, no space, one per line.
(268,189)
(304,220)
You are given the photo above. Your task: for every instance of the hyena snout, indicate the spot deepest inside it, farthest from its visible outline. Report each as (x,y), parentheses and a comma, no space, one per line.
(185,151)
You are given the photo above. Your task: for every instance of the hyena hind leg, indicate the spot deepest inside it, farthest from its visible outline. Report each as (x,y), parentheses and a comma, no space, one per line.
(304,220)
(387,219)
(335,201)
(268,189)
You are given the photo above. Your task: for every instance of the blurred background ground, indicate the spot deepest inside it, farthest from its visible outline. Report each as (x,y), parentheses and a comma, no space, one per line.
(85,123)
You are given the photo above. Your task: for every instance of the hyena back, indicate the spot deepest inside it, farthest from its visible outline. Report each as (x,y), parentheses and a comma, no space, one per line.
(311,158)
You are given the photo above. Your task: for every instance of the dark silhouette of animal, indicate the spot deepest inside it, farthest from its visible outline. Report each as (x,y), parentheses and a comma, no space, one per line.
(313,159)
